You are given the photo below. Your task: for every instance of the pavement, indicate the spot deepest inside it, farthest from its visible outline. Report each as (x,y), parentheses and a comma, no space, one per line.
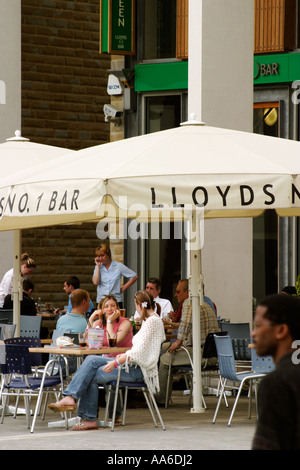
(185,433)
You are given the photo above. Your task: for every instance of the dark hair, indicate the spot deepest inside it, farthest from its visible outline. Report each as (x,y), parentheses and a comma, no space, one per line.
(283,309)
(27,284)
(156,281)
(73,281)
(144,296)
(290,290)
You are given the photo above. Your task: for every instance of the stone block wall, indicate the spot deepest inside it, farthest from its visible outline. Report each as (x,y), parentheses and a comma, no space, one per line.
(64,80)
(64,77)
(63,251)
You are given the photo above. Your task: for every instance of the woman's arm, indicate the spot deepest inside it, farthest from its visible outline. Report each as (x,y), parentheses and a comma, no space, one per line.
(110,366)
(123,330)
(129,283)
(96,275)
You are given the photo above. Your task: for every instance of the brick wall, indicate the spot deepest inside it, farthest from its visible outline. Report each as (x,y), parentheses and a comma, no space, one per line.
(64,77)
(60,252)
(64,80)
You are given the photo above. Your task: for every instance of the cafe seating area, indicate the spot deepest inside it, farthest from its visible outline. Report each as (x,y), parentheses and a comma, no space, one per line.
(54,375)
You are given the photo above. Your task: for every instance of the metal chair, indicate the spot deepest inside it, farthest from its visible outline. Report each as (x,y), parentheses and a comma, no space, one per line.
(19,381)
(7,331)
(30,326)
(228,372)
(187,372)
(240,337)
(143,386)
(6,315)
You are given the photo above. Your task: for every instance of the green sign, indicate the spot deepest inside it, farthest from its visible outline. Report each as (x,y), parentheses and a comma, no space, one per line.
(276,68)
(117,26)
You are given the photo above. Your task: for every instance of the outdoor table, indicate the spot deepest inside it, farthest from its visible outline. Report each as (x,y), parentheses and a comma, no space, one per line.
(79,353)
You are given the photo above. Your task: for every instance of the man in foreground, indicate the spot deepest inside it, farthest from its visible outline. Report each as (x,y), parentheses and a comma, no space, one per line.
(276,328)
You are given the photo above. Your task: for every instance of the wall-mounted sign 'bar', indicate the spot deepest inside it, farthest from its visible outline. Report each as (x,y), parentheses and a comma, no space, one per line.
(117,26)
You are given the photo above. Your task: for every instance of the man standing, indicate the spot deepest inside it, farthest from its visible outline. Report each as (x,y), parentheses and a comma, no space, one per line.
(276,328)
(179,357)
(154,287)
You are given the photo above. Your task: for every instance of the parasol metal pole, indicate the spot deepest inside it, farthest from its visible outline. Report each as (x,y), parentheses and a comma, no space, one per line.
(196,295)
(17,288)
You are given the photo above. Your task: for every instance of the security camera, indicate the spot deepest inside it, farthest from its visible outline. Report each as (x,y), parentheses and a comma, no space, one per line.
(112,113)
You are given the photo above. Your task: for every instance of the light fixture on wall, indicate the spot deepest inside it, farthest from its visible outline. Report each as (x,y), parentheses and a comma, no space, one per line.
(270,116)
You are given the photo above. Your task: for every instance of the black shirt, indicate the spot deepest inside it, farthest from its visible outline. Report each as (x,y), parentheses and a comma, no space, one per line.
(27,304)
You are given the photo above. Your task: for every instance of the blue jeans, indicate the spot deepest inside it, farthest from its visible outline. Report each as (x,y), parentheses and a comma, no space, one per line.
(84,385)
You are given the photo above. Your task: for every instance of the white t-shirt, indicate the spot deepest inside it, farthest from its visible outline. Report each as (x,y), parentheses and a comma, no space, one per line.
(5,286)
(165,306)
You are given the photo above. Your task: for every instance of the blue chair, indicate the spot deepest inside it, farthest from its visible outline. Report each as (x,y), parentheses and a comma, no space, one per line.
(227,369)
(30,326)
(19,381)
(143,386)
(240,337)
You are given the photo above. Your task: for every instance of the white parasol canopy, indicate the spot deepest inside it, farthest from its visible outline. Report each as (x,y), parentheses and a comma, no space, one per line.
(229,173)
(172,173)
(18,153)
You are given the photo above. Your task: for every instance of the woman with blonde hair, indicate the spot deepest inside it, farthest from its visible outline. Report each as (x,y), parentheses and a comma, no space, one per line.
(27,267)
(115,327)
(141,359)
(108,273)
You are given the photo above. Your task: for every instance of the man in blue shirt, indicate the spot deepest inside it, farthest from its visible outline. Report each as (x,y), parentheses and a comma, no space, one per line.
(108,273)
(75,321)
(71,284)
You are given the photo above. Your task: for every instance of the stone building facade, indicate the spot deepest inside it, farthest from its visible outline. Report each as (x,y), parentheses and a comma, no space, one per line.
(64,81)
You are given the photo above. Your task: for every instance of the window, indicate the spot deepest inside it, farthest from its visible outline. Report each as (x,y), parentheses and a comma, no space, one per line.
(160,29)
(265,228)
(266,119)
(162,112)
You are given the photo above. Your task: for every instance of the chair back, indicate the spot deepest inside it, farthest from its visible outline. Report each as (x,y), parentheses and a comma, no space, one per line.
(225,357)
(6,315)
(17,359)
(236,330)
(30,326)
(7,331)
(209,348)
(261,364)
(240,337)
(35,358)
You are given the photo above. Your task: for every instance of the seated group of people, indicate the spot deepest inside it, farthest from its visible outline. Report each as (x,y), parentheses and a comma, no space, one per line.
(145,354)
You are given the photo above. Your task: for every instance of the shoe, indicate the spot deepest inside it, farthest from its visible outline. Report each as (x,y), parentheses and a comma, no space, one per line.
(160,405)
(61,408)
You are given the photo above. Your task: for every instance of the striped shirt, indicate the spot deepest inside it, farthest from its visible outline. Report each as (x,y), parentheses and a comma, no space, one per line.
(208,323)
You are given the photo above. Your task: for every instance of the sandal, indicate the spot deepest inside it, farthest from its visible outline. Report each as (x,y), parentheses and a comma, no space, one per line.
(118,421)
(61,408)
(83,427)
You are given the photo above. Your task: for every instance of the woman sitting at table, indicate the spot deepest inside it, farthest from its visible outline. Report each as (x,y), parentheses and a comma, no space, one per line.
(96,371)
(115,327)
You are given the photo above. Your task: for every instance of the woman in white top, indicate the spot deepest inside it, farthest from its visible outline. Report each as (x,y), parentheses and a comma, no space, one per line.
(27,267)
(99,370)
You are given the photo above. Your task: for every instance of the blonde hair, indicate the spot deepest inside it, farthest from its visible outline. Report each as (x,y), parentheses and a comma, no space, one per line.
(29,262)
(103,249)
(145,297)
